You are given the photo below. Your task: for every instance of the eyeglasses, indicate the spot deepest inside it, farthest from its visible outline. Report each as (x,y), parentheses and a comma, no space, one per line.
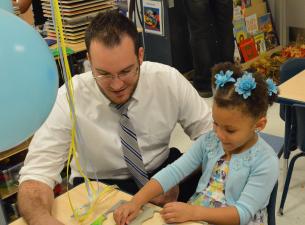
(122,75)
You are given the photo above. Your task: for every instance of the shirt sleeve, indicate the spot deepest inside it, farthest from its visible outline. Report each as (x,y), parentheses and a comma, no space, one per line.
(48,150)
(261,180)
(195,114)
(182,167)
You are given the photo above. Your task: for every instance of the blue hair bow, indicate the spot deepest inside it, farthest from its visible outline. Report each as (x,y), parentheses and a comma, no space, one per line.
(245,85)
(221,78)
(272,88)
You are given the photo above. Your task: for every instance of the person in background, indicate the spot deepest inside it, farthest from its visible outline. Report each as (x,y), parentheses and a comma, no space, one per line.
(211,38)
(23,5)
(39,19)
(239,168)
(126,112)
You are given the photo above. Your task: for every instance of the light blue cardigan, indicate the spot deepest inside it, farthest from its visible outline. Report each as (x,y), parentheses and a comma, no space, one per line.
(252,174)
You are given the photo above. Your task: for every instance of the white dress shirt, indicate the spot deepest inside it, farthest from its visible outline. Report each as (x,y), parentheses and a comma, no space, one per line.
(162,98)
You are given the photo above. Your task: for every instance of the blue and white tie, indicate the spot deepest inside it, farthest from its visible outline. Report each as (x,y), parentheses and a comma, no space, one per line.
(130,147)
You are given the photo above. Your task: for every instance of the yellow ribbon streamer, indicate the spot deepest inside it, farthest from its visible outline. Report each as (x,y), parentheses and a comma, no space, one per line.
(93,195)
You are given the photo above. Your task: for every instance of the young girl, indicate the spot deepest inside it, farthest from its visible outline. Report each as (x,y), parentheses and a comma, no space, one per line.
(239,169)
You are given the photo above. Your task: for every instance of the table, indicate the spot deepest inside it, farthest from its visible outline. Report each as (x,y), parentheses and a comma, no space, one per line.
(291,92)
(63,212)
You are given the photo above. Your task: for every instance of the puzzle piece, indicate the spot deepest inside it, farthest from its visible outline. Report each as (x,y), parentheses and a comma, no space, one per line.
(146,214)
(114,207)
(81,210)
(99,221)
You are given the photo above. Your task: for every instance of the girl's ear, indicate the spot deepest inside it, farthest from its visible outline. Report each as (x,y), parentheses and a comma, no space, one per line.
(261,123)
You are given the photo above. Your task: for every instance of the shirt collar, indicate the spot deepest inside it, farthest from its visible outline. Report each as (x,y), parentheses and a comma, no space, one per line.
(140,89)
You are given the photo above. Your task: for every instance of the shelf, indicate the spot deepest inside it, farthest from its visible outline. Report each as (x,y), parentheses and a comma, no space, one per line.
(13,151)
(5,193)
(79,47)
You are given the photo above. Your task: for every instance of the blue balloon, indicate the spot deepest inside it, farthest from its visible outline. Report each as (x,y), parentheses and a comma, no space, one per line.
(7,5)
(28,80)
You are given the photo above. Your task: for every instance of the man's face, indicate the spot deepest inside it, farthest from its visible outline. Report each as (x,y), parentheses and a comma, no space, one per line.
(116,69)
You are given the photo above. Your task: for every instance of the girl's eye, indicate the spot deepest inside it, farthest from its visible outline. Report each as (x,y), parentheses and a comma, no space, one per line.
(231,131)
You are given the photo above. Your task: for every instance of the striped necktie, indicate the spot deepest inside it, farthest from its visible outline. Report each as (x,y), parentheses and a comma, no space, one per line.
(130,147)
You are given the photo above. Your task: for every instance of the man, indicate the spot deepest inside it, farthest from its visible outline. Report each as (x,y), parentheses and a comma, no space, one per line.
(211,38)
(155,97)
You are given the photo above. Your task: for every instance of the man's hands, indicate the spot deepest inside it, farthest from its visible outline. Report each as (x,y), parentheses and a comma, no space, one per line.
(126,213)
(177,212)
(170,196)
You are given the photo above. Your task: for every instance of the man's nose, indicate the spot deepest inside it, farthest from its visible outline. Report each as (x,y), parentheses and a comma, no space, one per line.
(116,83)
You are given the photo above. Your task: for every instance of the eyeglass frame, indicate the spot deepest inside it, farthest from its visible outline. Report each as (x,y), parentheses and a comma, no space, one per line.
(122,76)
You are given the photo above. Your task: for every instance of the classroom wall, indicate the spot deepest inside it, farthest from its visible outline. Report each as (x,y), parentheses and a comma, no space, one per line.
(278,10)
(287,14)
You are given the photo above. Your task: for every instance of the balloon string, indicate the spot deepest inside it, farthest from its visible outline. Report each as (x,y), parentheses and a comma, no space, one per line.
(93,195)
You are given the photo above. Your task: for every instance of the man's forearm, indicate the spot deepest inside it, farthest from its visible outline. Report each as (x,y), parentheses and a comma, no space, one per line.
(35,201)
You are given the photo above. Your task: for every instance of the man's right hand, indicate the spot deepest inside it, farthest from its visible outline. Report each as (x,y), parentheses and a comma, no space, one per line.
(35,200)
(126,213)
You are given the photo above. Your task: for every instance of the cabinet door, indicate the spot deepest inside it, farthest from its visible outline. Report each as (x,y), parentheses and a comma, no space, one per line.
(3,220)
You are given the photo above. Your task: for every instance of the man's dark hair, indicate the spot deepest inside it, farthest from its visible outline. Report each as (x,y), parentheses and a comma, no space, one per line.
(109,28)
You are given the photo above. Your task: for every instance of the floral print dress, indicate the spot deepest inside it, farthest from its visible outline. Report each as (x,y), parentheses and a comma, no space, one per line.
(213,196)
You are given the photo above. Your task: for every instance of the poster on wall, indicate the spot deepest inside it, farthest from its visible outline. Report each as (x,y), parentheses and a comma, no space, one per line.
(153,16)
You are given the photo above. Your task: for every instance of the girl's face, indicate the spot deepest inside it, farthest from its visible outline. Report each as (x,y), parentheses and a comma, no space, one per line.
(235,130)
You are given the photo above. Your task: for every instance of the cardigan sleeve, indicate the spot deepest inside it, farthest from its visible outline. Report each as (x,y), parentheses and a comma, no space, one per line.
(258,188)
(182,167)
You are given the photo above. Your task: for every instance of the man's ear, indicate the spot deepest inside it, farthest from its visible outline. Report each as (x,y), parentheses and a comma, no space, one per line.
(261,123)
(141,55)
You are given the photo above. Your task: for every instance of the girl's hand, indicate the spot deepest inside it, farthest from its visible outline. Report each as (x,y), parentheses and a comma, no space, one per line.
(126,213)
(177,212)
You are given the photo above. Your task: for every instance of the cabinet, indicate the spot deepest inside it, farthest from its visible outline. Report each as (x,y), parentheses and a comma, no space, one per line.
(173,48)
(10,163)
